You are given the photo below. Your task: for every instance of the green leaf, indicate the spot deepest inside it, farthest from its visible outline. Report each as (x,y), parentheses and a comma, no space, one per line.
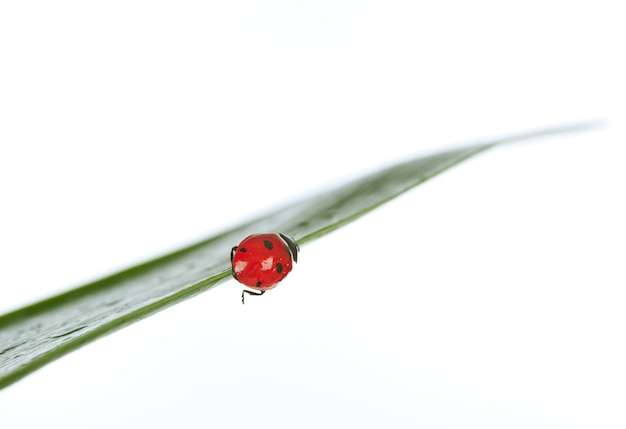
(37,334)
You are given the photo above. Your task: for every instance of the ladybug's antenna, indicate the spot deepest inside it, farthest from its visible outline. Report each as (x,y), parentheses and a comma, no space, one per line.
(250,293)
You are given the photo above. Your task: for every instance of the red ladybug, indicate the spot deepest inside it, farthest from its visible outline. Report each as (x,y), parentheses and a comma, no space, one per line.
(262,260)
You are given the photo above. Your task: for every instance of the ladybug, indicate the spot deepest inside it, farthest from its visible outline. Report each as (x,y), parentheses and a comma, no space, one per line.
(261,261)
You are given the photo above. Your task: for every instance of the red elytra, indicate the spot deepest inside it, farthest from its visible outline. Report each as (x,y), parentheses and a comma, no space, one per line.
(261,261)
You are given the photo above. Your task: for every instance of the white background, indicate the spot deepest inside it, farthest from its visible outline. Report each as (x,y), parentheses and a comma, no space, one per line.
(493,296)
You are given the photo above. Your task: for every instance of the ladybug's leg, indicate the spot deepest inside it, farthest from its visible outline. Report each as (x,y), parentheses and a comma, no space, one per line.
(250,293)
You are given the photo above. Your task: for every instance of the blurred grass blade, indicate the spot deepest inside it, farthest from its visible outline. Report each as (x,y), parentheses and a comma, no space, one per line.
(35,335)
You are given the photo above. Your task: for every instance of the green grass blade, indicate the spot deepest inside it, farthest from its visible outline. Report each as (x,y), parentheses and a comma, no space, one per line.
(37,334)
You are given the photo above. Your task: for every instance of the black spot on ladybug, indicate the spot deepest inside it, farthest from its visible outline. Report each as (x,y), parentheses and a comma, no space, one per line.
(268,244)
(279,268)
(243,249)
(258,284)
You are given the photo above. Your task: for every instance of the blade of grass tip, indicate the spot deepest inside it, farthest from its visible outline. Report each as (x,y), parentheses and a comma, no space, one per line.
(37,334)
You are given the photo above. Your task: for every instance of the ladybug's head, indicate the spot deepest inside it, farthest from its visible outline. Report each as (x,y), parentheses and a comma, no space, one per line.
(293,246)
